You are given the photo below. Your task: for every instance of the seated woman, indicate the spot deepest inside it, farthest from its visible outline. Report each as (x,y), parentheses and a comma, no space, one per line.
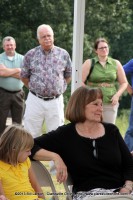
(93,152)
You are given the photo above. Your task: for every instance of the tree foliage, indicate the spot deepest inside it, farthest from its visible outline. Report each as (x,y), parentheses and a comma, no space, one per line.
(109,19)
(20,18)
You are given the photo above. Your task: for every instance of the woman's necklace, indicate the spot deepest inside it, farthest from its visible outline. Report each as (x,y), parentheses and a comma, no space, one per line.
(86,133)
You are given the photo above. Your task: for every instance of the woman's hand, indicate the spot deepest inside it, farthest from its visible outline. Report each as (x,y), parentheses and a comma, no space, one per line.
(2,197)
(124,191)
(115,100)
(60,168)
(127,188)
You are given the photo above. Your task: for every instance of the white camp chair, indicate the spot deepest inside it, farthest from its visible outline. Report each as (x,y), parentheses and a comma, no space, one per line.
(44,178)
(68,189)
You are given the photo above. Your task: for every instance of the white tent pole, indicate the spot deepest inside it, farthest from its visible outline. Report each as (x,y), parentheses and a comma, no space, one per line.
(78,36)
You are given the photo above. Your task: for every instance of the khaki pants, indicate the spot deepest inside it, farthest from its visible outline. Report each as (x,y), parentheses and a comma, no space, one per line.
(110,113)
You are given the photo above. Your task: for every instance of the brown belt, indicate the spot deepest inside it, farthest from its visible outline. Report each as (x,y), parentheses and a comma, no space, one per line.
(101,84)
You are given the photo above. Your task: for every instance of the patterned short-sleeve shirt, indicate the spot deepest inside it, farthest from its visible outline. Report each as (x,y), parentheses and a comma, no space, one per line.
(47,73)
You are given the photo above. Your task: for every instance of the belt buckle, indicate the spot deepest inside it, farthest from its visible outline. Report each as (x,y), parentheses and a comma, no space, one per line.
(105,85)
(38,96)
(47,98)
(102,85)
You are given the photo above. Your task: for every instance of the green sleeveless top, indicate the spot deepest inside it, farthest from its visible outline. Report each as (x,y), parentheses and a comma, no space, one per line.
(107,75)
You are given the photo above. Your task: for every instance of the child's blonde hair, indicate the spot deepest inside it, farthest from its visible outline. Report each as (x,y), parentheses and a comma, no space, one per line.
(14,140)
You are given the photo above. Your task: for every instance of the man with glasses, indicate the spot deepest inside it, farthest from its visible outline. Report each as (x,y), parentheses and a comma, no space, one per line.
(46,72)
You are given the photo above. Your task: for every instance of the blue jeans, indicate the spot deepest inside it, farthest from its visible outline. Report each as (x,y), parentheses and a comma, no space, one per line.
(129,134)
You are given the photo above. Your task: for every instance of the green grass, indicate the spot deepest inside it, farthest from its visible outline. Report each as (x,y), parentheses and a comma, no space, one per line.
(122,121)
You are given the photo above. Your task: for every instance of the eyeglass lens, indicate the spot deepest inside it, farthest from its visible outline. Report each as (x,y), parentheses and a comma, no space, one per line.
(102,48)
(95,150)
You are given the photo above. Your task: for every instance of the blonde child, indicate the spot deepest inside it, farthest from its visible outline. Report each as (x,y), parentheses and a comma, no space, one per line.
(17,179)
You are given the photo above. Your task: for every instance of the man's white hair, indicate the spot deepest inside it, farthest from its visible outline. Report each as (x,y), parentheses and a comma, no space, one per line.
(43,26)
(7,38)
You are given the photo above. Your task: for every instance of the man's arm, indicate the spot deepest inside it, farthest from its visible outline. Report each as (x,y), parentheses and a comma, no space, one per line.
(68,80)
(129,89)
(7,72)
(25,81)
(128,67)
(17,75)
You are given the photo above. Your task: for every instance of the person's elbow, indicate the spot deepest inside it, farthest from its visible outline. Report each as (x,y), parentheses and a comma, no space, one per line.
(124,85)
(3,74)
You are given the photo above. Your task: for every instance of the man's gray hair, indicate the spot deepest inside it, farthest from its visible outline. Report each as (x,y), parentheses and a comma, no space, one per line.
(43,26)
(8,38)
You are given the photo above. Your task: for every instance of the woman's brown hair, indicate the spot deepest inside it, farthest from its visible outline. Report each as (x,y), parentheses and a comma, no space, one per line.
(98,41)
(14,140)
(75,110)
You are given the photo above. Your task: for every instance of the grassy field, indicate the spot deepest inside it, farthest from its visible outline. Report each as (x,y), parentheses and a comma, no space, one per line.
(122,121)
(122,124)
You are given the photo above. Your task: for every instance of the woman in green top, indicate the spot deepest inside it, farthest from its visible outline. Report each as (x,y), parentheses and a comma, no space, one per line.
(107,72)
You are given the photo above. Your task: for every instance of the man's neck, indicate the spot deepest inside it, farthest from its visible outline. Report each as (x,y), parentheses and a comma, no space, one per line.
(10,54)
(46,50)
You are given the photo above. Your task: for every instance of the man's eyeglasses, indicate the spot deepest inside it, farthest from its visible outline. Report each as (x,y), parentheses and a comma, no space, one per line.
(95,150)
(102,48)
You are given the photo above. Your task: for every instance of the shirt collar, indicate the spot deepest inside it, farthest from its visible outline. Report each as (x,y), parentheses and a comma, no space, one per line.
(108,60)
(51,50)
(6,56)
